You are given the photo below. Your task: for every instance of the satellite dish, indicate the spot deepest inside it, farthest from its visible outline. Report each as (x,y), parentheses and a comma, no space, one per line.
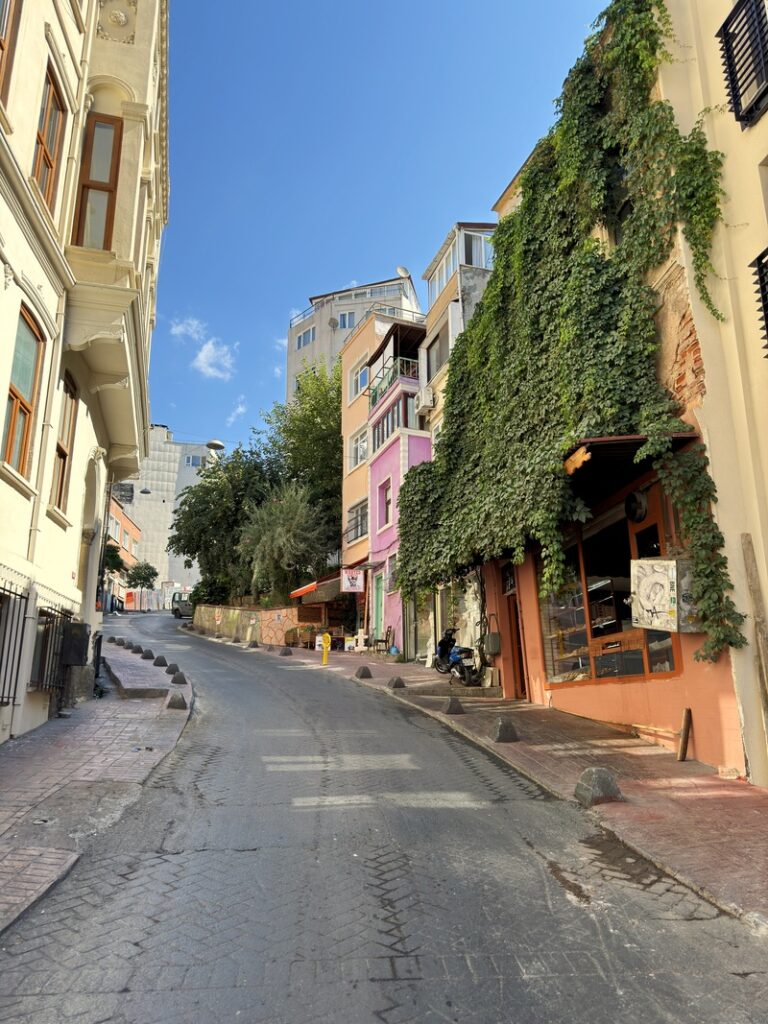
(333,323)
(403,272)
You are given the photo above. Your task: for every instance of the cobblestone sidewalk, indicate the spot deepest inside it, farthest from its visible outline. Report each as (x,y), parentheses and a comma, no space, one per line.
(709,832)
(106,748)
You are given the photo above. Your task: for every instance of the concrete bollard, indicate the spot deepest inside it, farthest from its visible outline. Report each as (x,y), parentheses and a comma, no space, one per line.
(236,640)
(172,668)
(160,660)
(177,701)
(179,679)
(285,652)
(137,649)
(147,655)
(363,672)
(453,706)
(597,786)
(253,644)
(396,683)
(111,640)
(504,730)
(120,641)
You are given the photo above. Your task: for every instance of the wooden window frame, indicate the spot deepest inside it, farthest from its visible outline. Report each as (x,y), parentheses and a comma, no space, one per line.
(86,185)
(43,156)
(7,47)
(20,402)
(64,445)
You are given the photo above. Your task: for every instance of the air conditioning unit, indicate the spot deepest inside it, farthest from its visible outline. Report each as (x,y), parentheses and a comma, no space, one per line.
(425,399)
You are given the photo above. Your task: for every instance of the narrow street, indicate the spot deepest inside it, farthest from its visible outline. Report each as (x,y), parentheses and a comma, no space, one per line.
(313,852)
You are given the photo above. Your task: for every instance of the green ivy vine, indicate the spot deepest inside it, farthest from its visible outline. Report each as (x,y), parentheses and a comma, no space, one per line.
(563,344)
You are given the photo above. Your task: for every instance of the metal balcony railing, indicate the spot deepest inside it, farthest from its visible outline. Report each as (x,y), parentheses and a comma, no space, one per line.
(760,267)
(388,375)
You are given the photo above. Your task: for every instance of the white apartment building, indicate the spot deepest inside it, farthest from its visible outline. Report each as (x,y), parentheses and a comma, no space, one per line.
(83,203)
(317,335)
(169,467)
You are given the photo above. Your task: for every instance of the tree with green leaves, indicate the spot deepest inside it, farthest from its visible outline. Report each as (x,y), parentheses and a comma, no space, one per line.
(304,444)
(142,576)
(112,560)
(284,541)
(210,516)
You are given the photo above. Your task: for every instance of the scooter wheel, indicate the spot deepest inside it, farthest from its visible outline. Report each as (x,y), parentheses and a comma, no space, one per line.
(441,667)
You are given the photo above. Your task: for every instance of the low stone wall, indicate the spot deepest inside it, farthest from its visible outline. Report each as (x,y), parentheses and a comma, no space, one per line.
(265,625)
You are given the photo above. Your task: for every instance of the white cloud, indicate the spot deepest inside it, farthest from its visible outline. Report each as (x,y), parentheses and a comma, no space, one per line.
(239,409)
(281,344)
(190,327)
(278,371)
(215,359)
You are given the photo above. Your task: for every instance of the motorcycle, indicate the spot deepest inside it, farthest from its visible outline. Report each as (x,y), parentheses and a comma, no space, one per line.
(458,661)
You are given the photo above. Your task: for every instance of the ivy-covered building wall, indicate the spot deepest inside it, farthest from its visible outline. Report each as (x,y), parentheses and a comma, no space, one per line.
(605,317)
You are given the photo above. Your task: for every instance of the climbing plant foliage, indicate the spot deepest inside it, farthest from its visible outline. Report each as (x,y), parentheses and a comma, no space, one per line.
(563,345)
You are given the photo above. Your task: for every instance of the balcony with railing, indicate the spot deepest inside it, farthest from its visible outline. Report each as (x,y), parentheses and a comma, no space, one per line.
(395,370)
(744,46)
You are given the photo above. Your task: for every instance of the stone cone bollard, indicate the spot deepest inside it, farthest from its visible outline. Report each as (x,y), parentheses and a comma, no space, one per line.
(453,706)
(396,683)
(217,636)
(285,652)
(177,701)
(253,644)
(270,647)
(111,640)
(597,786)
(179,679)
(504,731)
(147,655)
(160,660)
(363,672)
(120,641)
(236,640)
(172,669)
(137,649)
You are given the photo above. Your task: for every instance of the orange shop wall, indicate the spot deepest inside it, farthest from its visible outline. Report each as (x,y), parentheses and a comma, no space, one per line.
(704,687)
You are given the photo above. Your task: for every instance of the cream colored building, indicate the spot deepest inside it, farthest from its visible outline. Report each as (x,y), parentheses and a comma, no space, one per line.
(83,202)
(318,334)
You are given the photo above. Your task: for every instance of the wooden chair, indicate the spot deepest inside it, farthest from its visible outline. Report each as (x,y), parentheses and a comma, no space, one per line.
(382,644)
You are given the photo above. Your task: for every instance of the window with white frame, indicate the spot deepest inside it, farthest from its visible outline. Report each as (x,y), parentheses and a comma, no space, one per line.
(358,380)
(385,504)
(194,460)
(358,448)
(391,573)
(477,250)
(445,268)
(347,319)
(305,338)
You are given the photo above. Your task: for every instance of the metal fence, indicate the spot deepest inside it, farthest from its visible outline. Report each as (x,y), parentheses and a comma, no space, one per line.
(13,607)
(47,668)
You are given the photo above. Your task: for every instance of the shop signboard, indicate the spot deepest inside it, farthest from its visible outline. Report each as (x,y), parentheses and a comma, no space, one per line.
(352,581)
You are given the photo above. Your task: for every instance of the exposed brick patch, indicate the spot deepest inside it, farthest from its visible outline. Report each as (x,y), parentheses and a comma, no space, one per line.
(688,384)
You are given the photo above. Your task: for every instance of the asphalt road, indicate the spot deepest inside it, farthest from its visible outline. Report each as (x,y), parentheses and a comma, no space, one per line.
(315,853)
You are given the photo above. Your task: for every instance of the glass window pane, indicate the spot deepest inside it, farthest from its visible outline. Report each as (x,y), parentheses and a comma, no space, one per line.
(101,154)
(44,105)
(564,630)
(53,127)
(24,360)
(44,175)
(96,203)
(5,6)
(18,439)
(6,428)
(364,377)
(661,657)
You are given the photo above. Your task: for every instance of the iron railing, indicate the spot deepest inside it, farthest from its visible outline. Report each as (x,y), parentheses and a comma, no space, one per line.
(47,667)
(388,375)
(13,608)
(744,47)
(760,267)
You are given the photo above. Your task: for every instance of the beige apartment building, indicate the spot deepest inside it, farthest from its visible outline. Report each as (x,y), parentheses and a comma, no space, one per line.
(317,335)
(83,202)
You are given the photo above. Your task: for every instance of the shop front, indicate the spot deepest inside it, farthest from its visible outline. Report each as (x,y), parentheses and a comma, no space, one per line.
(582,650)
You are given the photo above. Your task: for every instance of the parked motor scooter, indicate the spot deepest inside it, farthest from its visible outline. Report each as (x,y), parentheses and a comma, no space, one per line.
(458,661)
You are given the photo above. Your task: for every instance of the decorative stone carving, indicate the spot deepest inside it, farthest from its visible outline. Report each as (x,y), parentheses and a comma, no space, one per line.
(117,21)
(7,275)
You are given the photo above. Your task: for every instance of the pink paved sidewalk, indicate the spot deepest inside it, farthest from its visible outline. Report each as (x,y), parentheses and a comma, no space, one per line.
(104,741)
(706,831)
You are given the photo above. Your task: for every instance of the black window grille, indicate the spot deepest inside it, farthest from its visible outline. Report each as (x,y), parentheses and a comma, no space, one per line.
(357,521)
(13,607)
(744,45)
(760,267)
(47,668)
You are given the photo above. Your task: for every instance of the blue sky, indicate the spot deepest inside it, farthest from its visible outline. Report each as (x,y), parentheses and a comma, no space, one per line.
(314,144)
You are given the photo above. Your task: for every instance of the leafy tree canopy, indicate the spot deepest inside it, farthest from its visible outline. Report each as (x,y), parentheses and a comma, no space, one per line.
(112,560)
(142,576)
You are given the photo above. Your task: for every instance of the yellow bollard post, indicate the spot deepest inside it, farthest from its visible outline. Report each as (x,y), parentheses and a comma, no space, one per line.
(326,642)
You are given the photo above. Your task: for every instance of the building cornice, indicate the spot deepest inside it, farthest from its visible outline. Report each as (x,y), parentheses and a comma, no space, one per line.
(163,99)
